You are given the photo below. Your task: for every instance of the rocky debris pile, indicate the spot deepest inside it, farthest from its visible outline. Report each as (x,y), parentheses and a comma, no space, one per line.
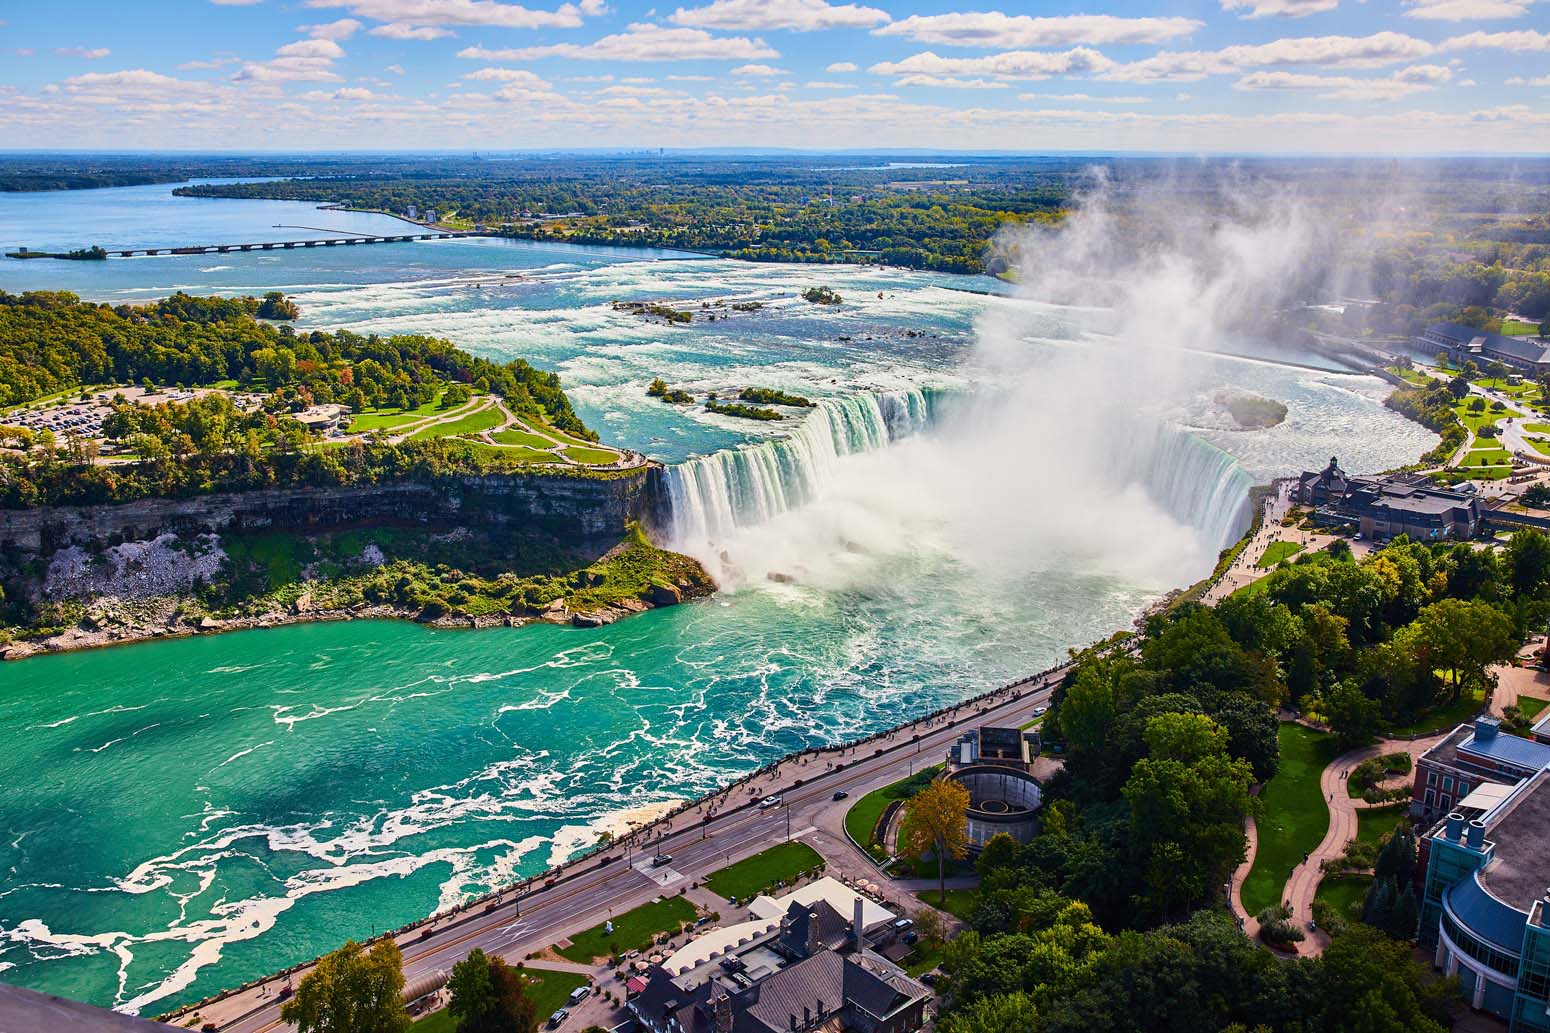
(161,566)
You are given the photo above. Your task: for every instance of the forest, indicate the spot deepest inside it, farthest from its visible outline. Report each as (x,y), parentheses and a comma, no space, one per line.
(1110,917)
(53,343)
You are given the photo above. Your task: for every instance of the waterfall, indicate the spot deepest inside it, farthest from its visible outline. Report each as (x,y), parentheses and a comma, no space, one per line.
(711,496)
(1196,482)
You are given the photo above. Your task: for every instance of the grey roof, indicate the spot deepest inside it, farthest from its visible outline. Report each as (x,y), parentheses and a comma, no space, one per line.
(1517,874)
(878,986)
(833,927)
(816,983)
(1525,349)
(1001,740)
(26,1011)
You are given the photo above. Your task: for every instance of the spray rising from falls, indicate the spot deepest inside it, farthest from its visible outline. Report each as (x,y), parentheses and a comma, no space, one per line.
(912,474)
(713,496)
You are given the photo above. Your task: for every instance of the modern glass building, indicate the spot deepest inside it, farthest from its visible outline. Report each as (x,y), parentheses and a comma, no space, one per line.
(1484,908)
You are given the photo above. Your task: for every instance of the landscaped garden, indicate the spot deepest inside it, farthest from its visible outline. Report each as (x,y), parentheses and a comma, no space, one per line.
(547,989)
(761,872)
(1295,814)
(861,820)
(634,930)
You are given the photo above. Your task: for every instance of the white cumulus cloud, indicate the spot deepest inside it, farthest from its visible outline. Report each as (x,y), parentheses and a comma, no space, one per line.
(994,30)
(795,15)
(1466,10)
(1279,8)
(464,12)
(641,42)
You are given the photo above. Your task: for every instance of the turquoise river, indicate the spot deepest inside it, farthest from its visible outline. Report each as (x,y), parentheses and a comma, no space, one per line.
(988,479)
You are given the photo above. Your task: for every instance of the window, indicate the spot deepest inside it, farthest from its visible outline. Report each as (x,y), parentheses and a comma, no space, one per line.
(1430,799)
(1447,782)
(1431,778)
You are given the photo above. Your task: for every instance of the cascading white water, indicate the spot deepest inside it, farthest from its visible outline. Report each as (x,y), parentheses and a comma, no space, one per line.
(712,496)
(1198,484)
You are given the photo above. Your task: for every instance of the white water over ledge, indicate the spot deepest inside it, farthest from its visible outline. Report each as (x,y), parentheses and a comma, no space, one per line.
(1119,483)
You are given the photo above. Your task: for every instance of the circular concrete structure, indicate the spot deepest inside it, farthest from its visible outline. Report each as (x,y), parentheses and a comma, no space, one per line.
(1000,800)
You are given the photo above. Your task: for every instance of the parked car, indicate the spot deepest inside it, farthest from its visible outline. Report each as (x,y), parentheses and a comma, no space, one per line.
(910,937)
(900,924)
(661,860)
(769,801)
(840,794)
(578,995)
(558,1017)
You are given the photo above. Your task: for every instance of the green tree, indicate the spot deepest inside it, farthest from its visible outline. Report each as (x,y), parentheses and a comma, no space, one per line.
(351,991)
(1004,1013)
(1352,716)
(936,820)
(1463,638)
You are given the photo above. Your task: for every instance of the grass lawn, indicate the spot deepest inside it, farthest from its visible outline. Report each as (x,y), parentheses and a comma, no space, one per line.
(960,903)
(1518,328)
(1412,376)
(386,419)
(1475,420)
(483,419)
(1541,445)
(1345,893)
(1373,823)
(522,437)
(591,456)
(633,930)
(1275,552)
(1489,456)
(1448,715)
(1530,707)
(753,875)
(1536,428)
(518,453)
(550,989)
(863,814)
(1295,818)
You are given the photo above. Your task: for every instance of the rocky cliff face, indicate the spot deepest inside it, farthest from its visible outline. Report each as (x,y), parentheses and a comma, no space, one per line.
(578,512)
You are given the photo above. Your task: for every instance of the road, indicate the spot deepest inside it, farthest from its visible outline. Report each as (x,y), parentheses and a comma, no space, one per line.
(532,921)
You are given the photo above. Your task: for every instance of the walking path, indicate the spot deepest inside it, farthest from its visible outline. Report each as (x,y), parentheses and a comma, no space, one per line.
(1302,886)
(1245,570)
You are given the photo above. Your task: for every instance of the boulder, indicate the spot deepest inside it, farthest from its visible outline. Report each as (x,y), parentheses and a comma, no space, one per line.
(587,620)
(664,595)
(208,624)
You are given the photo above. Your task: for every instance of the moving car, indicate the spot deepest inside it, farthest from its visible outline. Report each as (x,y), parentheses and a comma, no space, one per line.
(840,794)
(769,801)
(661,860)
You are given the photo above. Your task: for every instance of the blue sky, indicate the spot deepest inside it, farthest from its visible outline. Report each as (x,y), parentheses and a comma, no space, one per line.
(1225,75)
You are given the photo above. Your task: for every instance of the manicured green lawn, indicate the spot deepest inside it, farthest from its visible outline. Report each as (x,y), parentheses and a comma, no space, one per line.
(550,989)
(591,456)
(1448,715)
(1295,817)
(1540,445)
(1530,707)
(863,814)
(1275,552)
(1537,428)
(1345,893)
(633,930)
(484,419)
(386,419)
(1490,456)
(753,875)
(960,903)
(1518,328)
(1413,376)
(522,437)
(1373,823)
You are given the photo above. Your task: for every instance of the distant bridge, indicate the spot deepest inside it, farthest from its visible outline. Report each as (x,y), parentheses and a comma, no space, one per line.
(277,245)
(263,245)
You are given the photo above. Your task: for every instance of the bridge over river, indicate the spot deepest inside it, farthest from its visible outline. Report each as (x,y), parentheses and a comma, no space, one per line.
(263,245)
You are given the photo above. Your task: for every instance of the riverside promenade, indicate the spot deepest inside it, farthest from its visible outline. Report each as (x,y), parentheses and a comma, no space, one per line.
(702,836)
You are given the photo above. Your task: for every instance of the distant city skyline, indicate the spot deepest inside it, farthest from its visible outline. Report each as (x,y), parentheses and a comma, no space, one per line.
(1383,76)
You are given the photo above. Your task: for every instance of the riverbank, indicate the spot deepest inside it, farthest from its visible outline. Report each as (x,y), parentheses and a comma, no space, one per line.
(170,588)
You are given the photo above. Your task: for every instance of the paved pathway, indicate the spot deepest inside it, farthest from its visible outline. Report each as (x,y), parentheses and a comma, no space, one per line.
(1245,569)
(1304,882)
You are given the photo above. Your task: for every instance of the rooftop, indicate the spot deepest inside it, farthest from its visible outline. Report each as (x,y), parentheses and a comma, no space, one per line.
(1489,742)
(25,1011)
(1517,874)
